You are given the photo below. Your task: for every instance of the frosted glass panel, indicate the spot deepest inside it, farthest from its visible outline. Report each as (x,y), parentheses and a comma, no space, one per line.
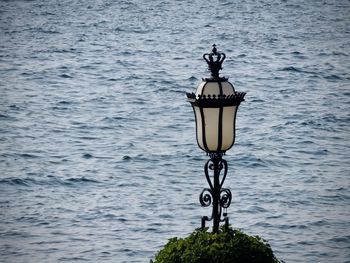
(199,127)
(211,88)
(227,88)
(199,90)
(211,127)
(228,127)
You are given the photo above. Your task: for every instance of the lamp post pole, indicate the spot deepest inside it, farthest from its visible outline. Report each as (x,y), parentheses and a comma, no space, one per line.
(216,194)
(215,104)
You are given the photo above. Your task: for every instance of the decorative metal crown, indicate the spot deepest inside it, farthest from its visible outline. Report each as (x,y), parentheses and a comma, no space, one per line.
(214,65)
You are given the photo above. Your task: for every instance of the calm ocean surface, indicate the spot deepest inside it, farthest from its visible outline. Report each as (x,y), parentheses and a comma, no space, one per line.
(98,157)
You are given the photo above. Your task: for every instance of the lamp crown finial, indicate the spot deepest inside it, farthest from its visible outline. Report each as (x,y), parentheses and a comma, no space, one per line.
(214,65)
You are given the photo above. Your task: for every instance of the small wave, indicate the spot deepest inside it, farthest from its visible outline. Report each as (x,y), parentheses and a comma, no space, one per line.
(126,158)
(3,116)
(299,70)
(66,76)
(291,226)
(336,53)
(46,13)
(27,73)
(273,217)
(112,119)
(39,30)
(342,239)
(253,210)
(87,156)
(50,181)
(47,31)
(14,106)
(59,108)
(335,198)
(257,100)
(27,155)
(64,102)
(74,181)
(319,223)
(18,181)
(81,180)
(90,138)
(193,78)
(264,225)
(64,50)
(119,29)
(298,54)
(292,69)
(16,234)
(333,77)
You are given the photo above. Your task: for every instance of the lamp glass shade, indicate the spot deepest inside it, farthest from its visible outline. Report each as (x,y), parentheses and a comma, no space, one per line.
(215,121)
(215,131)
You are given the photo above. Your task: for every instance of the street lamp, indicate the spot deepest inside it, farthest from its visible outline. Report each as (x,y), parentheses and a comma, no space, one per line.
(215,104)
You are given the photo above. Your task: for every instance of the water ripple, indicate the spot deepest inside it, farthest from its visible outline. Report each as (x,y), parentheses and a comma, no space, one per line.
(98,155)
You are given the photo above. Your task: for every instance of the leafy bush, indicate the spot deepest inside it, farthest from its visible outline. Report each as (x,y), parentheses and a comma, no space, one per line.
(230,246)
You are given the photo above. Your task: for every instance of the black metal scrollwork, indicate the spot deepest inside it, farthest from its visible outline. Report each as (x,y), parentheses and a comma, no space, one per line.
(205,198)
(225,198)
(220,198)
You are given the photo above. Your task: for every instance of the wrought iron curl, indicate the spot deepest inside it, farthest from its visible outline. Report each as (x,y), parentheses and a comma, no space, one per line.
(206,197)
(212,165)
(225,197)
(215,165)
(209,165)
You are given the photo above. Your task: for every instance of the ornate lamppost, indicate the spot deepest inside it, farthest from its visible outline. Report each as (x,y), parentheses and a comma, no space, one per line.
(215,104)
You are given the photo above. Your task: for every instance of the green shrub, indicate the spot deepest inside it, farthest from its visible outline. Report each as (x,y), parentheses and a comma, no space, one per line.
(231,246)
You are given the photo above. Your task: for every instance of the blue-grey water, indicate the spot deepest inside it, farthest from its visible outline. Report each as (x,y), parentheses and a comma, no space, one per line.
(98,157)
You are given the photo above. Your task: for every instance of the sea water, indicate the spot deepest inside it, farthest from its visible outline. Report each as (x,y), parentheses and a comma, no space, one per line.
(98,156)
